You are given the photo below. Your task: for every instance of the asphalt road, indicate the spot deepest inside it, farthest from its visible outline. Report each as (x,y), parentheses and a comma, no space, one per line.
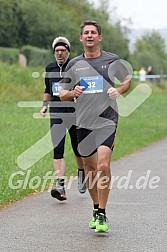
(137,212)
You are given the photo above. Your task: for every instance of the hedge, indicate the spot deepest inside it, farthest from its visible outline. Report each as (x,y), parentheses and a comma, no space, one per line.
(35,56)
(9,55)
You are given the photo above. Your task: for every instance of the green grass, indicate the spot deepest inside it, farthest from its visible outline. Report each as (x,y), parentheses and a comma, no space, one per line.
(19,130)
(144,126)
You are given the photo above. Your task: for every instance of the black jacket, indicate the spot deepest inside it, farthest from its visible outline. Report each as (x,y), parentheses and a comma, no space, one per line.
(54,75)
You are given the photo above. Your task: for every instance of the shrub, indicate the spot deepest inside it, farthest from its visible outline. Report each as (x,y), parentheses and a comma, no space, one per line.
(9,55)
(36,56)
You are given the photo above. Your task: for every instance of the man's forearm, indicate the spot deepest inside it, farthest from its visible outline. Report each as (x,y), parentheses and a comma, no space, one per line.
(124,88)
(66,95)
(46,97)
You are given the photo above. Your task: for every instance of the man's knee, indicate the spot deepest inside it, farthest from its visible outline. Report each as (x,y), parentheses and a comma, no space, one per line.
(103,166)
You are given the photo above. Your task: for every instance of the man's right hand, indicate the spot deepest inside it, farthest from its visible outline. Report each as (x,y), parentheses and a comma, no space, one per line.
(43,111)
(78,90)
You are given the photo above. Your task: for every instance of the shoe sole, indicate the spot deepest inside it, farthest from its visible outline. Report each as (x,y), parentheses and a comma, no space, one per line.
(92,227)
(102,232)
(57,195)
(82,191)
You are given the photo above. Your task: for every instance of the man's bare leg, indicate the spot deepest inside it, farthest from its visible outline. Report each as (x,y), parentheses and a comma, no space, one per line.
(60,168)
(103,167)
(90,165)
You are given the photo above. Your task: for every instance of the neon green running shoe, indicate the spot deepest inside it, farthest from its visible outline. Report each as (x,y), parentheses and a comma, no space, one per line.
(92,223)
(101,223)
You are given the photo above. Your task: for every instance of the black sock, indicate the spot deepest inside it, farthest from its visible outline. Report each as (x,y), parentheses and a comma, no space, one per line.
(60,182)
(101,210)
(96,206)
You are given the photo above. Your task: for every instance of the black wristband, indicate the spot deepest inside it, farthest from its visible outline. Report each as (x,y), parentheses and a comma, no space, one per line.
(45,103)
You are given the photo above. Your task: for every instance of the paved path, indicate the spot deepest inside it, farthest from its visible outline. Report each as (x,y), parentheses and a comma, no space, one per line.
(137,217)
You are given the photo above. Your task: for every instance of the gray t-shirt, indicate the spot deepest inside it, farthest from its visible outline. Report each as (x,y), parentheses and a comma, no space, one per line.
(94,108)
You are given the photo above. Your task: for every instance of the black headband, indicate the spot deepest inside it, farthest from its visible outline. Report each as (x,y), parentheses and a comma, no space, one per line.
(62,44)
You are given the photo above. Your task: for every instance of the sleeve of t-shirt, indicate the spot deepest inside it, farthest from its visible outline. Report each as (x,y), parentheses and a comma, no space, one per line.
(121,70)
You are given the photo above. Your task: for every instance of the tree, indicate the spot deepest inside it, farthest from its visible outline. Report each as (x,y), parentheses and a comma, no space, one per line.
(10,23)
(37,23)
(150,50)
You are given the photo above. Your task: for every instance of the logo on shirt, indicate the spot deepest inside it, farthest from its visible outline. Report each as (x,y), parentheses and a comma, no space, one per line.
(82,68)
(103,66)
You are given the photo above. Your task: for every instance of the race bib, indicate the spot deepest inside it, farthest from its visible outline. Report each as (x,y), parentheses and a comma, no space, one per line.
(92,85)
(55,88)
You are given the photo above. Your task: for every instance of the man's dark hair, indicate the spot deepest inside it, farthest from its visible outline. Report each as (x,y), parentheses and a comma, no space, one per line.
(90,22)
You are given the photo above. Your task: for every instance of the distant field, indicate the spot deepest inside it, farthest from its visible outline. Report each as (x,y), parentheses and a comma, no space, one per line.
(19,131)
